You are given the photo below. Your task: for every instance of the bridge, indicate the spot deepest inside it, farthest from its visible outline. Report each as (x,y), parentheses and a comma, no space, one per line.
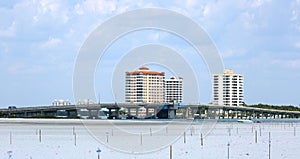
(160,110)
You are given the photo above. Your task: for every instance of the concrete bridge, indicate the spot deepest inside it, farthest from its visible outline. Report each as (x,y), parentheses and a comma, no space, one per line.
(161,110)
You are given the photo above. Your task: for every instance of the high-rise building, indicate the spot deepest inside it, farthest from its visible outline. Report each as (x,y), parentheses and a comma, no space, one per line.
(145,86)
(173,90)
(228,89)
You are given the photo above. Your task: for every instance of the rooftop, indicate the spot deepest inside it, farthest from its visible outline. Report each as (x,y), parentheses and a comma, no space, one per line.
(145,70)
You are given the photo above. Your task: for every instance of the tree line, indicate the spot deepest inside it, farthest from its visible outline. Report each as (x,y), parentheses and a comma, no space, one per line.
(282,107)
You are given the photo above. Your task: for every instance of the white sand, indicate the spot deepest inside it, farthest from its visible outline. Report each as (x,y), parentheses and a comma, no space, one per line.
(135,137)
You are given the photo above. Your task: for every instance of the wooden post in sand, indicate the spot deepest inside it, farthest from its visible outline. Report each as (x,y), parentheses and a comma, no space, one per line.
(269,145)
(259,131)
(184,137)
(228,145)
(201,140)
(107,133)
(40,135)
(255,136)
(98,152)
(75,140)
(171,151)
(10,137)
(294,130)
(166,130)
(141,135)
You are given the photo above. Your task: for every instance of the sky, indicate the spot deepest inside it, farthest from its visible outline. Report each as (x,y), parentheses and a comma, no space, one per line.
(40,41)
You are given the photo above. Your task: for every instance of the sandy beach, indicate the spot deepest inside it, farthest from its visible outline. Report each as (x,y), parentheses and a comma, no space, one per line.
(130,139)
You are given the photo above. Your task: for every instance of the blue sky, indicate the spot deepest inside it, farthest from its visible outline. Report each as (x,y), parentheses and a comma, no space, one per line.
(39,42)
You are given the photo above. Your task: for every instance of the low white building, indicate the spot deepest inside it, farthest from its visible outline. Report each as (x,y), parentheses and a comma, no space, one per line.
(60,102)
(85,102)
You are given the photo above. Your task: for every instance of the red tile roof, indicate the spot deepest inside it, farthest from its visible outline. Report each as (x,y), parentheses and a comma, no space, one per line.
(145,70)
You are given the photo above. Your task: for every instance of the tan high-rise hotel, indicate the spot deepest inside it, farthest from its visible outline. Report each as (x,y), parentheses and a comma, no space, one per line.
(145,86)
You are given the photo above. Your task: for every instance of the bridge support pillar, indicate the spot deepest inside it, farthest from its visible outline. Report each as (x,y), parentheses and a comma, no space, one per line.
(90,113)
(147,112)
(118,113)
(136,111)
(109,112)
(215,113)
(248,114)
(231,114)
(128,111)
(186,113)
(193,112)
(223,113)
(97,113)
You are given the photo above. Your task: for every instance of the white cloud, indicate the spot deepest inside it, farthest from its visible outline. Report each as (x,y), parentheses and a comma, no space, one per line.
(10,31)
(21,68)
(70,33)
(4,48)
(48,6)
(122,9)
(100,6)
(297,27)
(154,37)
(259,3)
(190,3)
(206,11)
(230,53)
(52,42)
(295,14)
(247,19)
(297,44)
(50,9)
(295,63)
(157,36)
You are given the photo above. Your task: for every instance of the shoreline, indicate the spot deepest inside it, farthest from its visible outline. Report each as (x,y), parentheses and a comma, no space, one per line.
(137,121)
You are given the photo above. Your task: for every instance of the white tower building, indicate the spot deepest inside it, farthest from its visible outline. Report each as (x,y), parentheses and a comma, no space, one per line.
(228,89)
(173,89)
